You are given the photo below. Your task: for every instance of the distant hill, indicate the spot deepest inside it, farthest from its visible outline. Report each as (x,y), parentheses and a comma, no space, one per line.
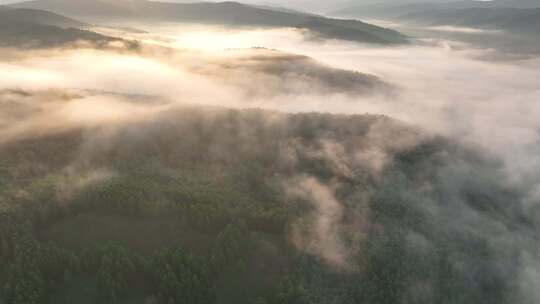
(31,28)
(9,16)
(508,19)
(395,10)
(42,36)
(282,9)
(290,73)
(225,13)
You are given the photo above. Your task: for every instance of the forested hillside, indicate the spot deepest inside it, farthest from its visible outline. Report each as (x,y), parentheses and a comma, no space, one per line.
(211,205)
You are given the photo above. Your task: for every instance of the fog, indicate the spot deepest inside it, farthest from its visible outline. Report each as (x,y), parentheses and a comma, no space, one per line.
(440,87)
(457,91)
(446,87)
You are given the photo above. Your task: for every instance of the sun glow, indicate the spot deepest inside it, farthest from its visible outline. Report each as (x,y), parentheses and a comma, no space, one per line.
(214,39)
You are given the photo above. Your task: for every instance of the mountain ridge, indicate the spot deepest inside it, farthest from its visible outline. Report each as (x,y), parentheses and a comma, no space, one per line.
(32,28)
(224,13)
(508,19)
(393,10)
(27,15)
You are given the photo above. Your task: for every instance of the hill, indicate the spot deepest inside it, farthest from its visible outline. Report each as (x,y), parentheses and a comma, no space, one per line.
(37,17)
(223,13)
(508,19)
(211,205)
(25,35)
(395,10)
(32,28)
(288,74)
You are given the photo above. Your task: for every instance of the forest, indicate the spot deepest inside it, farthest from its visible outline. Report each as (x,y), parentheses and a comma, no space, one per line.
(210,205)
(269,152)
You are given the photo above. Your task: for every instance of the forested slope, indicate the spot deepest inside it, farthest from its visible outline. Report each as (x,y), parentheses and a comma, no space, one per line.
(209,205)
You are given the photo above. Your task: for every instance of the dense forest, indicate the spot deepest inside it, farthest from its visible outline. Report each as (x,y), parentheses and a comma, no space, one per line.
(134,168)
(212,205)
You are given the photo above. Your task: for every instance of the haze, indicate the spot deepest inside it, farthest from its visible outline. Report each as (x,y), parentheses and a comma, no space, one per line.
(230,153)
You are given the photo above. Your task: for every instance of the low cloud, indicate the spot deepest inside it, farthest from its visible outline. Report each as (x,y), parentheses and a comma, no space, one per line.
(439,87)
